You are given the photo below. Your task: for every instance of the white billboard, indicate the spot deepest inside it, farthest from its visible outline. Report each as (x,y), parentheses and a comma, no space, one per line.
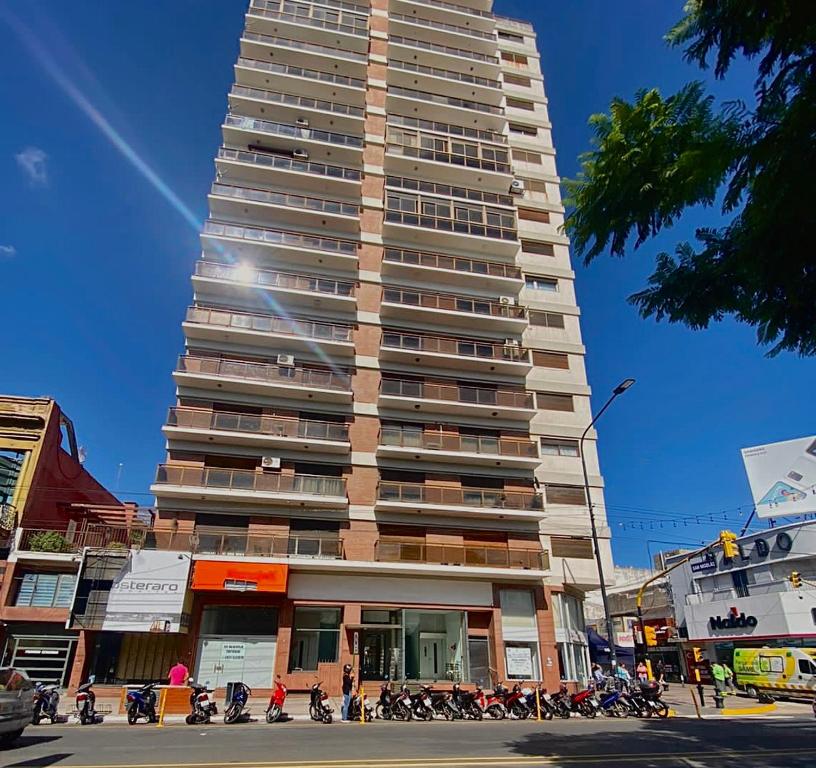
(148,593)
(782,477)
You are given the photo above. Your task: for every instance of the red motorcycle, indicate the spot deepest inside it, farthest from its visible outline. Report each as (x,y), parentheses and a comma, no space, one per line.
(515,701)
(582,702)
(493,704)
(276,701)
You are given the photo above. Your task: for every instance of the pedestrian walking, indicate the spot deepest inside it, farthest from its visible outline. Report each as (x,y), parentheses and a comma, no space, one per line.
(178,674)
(660,674)
(729,678)
(598,676)
(622,673)
(718,673)
(348,685)
(642,672)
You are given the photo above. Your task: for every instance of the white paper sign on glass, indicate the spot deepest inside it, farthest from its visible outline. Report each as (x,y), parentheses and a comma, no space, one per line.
(519,661)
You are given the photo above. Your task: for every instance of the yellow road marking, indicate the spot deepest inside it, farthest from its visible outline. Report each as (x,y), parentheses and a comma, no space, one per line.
(760,710)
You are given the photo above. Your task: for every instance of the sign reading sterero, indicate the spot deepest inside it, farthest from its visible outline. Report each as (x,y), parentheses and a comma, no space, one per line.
(148,593)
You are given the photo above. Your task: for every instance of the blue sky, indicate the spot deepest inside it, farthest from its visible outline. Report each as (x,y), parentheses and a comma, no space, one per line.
(95,259)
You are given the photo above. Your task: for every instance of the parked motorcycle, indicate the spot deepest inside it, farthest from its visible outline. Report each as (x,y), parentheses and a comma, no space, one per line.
(141,703)
(422,703)
(276,702)
(492,705)
(467,703)
(384,707)
(203,705)
(612,702)
(543,704)
(358,701)
(319,708)
(515,701)
(235,709)
(46,702)
(644,700)
(401,705)
(86,704)
(443,705)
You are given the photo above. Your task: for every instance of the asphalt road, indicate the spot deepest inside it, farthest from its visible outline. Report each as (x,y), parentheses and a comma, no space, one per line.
(672,743)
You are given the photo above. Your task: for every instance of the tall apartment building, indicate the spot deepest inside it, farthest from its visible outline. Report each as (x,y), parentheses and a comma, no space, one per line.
(373,455)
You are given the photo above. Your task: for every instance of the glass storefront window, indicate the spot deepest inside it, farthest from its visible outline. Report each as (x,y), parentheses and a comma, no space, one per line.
(434,645)
(315,638)
(571,636)
(520,633)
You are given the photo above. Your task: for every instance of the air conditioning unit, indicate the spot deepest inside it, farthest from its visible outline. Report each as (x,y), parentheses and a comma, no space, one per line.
(300,154)
(270,462)
(287,360)
(302,122)
(517,187)
(509,300)
(511,343)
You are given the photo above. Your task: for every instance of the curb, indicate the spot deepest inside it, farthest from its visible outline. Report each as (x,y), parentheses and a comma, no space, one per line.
(761,710)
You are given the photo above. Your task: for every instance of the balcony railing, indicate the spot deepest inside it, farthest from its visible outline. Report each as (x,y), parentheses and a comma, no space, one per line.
(449,130)
(395,551)
(62,541)
(294,71)
(258,545)
(449,101)
(407,150)
(244,321)
(317,204)
(446,190)
(286,163)
(440,48)
(453,263)
(492,498)
(455,443)
(456,29)
(292,131)
(265,373)
(448,74)
(453,303)
(271,279)
(285,42)
(456,7)
(306,102)
(462,347)
(314,15)
(250,480)
(499,226)
(457,393)
(280,237)
(274,426)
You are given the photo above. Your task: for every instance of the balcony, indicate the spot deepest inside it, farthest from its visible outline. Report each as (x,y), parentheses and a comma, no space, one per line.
(462,501)
(459,353)
(457,399)
(396,551)
(233,201)
(438,107)
(221,428)
(230,544)
(445,74)
(442,10)
(239,241)
(261,47)
(438,446)
(62,544)
(346,27)
(325,293)
(242,485)
(474,312)
(287,333)
(442,33)
(267,379)
(460,271)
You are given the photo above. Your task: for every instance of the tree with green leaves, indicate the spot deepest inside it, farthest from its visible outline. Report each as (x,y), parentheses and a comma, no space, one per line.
(655,158)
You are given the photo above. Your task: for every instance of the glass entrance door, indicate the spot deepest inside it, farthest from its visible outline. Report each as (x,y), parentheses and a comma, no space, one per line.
(379,654)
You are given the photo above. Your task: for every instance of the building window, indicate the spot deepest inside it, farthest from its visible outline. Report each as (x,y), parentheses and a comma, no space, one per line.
(517,80)
(524,130)
(514,103)
(510,36)
(46,590)
(434,645)
(528,214)
(568,612)
(315,638)
(518,60)
(546,319)
(538,248)
(552,447)
(520,633)
(537,283)
(558,360)
(565,494)
(523,156)
(578,547)
(549,401)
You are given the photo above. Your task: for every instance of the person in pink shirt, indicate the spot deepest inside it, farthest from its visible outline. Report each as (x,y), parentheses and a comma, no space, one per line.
(178,673)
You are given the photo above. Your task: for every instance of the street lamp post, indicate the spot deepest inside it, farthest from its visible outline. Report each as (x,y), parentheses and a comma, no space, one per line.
(619,390)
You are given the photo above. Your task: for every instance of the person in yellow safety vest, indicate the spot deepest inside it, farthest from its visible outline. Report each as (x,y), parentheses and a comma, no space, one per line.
(729,678)
(718,673)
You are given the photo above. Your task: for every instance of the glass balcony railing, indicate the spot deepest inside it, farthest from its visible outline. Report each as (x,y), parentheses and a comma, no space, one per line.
(448,101)
(273,279)
(292,131)
(448,129)
(250,480)
(446,190)
(440,156)
(457,393)
(448,74)
(264,372)
(459,53)
(452,263)
(401,437)
(291,69)
(244,321)
(299,45)
(450,216)
(286,163)
(317,204)
(214,542)
(305,102)
(431,24)
(280,237)
(452,303)
(459,347)
(273,426)
(350,20)
(455,7)
(492,498)
(394,550)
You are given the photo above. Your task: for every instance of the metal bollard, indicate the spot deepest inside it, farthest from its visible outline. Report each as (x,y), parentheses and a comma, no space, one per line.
(701,694)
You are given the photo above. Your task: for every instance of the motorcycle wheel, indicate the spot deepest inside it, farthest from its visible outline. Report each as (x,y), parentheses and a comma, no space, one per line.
(132,716)
(327,718)
(381,712)
(425,714)
(313,713)
(191,719)
(273,714)
(232,713)
(475,712)
(619,709)
(496,712)
(662,710)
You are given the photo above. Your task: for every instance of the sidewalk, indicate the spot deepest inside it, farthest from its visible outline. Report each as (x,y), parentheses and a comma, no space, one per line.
(679,698)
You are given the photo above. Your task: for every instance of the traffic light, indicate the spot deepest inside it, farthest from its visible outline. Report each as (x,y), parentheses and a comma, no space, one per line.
(728,541)
(698,654)
(650,635)
(796,579)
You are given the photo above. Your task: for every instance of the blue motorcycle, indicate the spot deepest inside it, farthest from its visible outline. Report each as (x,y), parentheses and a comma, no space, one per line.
(613,702)
(141,703)
(237,702)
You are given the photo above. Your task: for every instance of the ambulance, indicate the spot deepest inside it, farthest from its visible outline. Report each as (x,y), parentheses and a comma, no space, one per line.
(776,671)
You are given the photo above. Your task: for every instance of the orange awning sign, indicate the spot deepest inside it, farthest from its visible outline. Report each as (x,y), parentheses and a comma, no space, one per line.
(218,575)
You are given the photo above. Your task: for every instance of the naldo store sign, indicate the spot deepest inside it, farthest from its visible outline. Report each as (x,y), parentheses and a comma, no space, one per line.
(733,621)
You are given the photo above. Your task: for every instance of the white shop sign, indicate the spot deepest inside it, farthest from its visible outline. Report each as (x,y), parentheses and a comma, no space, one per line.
(519,661)
(233,651)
